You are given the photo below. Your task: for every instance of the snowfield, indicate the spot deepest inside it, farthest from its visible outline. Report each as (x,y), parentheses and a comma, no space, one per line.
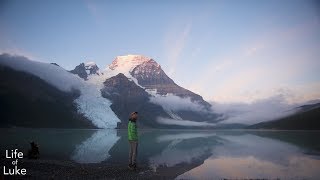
(125,65)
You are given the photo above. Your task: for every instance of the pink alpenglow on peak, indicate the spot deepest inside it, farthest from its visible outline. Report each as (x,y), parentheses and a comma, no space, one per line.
(128,62)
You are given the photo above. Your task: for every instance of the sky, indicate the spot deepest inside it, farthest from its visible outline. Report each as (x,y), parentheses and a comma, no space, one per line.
(227,51)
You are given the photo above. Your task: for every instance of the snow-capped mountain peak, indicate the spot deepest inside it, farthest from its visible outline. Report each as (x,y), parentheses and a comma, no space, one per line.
(90,64)
(83,70)
(91,68)
(126,64)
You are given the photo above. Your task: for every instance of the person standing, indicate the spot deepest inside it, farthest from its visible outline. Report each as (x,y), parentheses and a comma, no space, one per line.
(133,140)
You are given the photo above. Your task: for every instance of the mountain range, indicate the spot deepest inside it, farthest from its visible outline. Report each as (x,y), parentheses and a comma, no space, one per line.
(307,117)
(37,94)
(101,98)
(138,83)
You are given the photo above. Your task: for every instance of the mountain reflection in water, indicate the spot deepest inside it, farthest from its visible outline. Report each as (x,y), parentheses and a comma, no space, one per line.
(187,154)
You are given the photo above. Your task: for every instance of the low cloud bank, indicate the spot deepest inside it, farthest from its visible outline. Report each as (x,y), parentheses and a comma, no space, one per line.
(184,136)
(176,103)
(172,103)
(52,74)
(258,111)
(181,122)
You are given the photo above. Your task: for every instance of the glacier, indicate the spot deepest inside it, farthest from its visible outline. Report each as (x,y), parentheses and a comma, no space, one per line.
(90,103)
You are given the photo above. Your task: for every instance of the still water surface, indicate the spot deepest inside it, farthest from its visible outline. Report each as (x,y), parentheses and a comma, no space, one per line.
(213,154)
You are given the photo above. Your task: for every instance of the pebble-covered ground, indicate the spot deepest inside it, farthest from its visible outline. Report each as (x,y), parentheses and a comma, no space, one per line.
(52,169)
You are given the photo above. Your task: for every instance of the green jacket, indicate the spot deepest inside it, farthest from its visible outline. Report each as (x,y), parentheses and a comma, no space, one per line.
(132,131)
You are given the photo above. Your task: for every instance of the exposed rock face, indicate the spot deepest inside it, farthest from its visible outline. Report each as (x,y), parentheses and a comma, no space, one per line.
(151,76)
(129,91)
(127,97)
(55,64)
(80,70)
(92,68)
(83,70)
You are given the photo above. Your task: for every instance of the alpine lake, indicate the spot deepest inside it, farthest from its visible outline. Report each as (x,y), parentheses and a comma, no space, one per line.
(192,154)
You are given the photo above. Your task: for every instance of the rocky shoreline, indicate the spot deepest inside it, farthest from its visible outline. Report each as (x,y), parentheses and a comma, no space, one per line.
(54,169)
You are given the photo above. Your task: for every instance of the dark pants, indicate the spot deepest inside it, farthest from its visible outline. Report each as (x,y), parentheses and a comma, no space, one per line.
(133,152)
